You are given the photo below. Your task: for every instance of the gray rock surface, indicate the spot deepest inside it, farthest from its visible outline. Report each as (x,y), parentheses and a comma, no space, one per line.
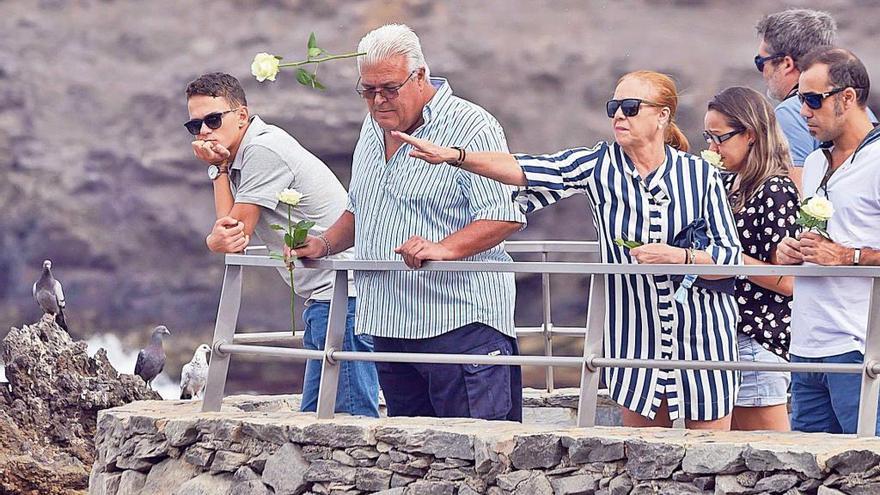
(49,410)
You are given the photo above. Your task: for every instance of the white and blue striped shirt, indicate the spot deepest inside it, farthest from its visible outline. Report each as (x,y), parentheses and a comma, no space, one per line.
(642,319)
(394,200)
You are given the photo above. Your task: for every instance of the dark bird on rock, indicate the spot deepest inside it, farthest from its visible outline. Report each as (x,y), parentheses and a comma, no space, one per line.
(50,297)
(151,359)
(194,375)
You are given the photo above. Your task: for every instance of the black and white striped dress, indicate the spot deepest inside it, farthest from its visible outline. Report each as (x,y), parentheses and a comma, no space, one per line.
(643,321)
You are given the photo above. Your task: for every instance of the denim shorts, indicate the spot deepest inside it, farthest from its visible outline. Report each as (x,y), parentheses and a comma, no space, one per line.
(760,388)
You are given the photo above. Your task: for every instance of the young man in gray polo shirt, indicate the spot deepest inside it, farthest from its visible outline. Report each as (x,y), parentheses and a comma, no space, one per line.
(249,163)
(830,314)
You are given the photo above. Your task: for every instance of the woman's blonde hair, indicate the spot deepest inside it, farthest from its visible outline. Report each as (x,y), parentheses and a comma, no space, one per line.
(745,108)
(667,96)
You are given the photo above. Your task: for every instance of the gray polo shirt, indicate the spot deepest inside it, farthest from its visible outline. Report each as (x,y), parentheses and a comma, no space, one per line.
(270,160)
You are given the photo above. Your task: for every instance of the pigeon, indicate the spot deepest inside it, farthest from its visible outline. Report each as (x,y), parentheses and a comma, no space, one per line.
(50,297)
(194,375)
(151,359)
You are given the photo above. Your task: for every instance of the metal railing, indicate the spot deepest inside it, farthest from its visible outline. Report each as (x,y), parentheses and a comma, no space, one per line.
(226,342)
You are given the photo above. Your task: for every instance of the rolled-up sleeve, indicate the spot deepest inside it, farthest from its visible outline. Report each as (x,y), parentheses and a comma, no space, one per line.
(557,176)
(724,245)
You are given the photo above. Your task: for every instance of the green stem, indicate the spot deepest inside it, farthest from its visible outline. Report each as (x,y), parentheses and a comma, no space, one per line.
(325,59)
(290,269)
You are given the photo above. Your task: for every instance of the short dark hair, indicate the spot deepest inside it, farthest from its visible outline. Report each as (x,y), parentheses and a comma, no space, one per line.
(845,70)
(795,32)
(217,84)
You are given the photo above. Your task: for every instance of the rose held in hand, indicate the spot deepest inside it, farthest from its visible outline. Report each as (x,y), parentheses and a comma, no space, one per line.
(291,197)
(713,158)
(819,208)
(265,66)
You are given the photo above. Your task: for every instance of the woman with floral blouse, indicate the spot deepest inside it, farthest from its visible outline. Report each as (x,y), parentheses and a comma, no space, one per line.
(740,126)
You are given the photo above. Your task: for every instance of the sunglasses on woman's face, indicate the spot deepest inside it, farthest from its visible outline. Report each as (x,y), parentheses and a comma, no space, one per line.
(629,106)
(815,100)
(720,138)
(212,120)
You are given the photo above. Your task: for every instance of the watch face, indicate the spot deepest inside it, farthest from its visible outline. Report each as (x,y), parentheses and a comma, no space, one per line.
(213,172)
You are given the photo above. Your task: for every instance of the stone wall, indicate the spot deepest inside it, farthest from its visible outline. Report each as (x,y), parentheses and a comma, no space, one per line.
(257,446)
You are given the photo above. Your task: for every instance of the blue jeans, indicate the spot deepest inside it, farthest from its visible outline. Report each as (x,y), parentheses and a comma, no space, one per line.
(358,389)
(826,402)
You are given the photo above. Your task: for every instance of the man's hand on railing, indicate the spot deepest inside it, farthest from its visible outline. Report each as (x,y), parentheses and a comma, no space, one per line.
(227,236)
(313,248)
(788,252)
(417,250)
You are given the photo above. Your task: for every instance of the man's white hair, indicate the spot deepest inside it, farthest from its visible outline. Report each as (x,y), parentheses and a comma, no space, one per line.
(389,41)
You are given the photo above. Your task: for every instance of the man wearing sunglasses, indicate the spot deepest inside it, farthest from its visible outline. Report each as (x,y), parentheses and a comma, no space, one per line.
(830,314)
(785,38)
(409,210)
(249,163)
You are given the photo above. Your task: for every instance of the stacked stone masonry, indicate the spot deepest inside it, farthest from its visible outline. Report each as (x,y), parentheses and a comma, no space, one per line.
(257,446)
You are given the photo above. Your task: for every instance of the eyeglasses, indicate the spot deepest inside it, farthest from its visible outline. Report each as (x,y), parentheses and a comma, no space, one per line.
(814,100)
(387,92)
(760,61)
(629,106)
(212,120)
(718,139)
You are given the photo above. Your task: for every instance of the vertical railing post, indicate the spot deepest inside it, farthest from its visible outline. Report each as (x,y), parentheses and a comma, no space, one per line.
(548,324)
(224,331)
(335,337)
(870,381)
(593,342)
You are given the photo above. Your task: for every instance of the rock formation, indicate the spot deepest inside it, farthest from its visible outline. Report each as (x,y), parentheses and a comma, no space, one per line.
(49,409)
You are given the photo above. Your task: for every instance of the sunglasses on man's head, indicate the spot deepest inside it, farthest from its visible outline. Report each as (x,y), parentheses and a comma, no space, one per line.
(760,61)
(212,120)
(720,138)
(814,100)
(629,106)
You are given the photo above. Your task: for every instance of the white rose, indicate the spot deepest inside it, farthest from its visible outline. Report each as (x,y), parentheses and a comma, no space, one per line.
(290,196)
(712,158)
(819,208)
(265,66)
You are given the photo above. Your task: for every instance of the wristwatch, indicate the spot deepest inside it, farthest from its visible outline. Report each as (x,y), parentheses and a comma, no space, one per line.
(214,171)
(857,255)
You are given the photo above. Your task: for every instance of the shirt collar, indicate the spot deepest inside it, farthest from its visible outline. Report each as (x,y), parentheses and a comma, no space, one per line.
(255,128)
(431,108)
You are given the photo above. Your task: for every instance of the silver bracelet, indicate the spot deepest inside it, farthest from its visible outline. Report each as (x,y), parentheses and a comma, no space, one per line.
(326,245)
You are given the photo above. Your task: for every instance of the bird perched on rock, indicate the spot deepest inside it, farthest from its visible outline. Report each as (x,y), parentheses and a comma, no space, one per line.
(194,375)
(151,359)
(50,297)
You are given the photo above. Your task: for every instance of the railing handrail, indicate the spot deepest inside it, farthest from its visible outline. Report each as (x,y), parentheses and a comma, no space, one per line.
(564,267)
(548,246)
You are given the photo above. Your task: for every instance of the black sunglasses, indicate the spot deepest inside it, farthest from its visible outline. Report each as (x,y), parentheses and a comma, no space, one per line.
(212,120)
(629,106)
(718,139)
(387,92)
(814,100)
(760,61)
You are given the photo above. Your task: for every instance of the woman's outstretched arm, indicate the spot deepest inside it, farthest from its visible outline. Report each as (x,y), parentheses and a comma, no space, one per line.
(495,165)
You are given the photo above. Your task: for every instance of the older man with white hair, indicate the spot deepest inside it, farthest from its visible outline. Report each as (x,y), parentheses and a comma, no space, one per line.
(404,208)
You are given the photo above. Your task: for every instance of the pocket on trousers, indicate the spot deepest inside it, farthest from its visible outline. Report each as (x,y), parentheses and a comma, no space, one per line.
(488,386)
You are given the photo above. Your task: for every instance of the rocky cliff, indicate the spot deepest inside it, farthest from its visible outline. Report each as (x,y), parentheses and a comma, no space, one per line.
(49,409)
(97,172)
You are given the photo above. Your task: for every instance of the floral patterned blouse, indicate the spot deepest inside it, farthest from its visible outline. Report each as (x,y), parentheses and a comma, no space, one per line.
(762,223)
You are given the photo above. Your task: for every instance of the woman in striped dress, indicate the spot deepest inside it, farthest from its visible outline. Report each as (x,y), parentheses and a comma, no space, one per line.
(643,187)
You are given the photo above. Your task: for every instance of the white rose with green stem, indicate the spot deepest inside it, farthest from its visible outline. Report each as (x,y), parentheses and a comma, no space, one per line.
(294,236)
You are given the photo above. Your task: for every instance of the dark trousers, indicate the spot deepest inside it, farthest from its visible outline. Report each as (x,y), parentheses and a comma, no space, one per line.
(453,390)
